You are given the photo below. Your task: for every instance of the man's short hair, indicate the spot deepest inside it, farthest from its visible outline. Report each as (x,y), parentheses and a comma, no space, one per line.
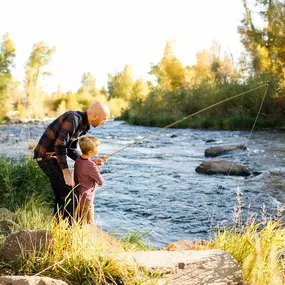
(88,143)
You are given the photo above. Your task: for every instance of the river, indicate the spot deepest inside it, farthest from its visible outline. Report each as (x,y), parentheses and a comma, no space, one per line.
(153,187)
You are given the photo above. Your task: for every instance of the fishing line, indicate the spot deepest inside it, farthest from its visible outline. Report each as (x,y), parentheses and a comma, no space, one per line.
(245,144)
(199,112)
(187,117)
(253,126)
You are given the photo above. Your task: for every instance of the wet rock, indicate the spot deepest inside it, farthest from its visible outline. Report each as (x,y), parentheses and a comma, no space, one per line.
(30,280)
(219,150)
(210,141)
(220,166)
(256,173)
(173,136)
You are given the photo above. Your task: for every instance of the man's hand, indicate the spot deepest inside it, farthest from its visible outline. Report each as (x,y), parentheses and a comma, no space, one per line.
(67,177)
(99,161)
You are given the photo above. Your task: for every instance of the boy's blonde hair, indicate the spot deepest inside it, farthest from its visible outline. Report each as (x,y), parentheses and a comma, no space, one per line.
(88,143)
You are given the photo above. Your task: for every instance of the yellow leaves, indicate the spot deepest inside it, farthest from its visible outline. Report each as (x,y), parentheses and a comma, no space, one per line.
(61,108)
(8,46)
(40,55)
(116,106)
(262,54)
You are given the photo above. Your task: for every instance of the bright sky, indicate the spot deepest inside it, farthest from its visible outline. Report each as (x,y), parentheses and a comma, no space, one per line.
(101,36)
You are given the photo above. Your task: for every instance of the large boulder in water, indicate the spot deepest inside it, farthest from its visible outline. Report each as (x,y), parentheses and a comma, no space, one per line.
(220,166)
(219,150)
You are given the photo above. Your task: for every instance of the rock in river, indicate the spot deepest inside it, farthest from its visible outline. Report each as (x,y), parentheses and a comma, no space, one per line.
(218,150)
(220,166)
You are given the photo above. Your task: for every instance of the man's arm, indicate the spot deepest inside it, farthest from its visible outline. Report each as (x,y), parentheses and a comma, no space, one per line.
(67,128)
(67,177)
(72,150)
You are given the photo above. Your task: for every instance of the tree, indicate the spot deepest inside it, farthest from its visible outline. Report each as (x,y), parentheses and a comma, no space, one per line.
(88,84)
(39,58)
(200,72)
(212,68)
(140,89)
(121,84)
(169,72)
(266,43)
(7,55)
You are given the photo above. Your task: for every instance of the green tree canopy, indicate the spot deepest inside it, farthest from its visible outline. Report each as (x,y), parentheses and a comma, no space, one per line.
(265,43)
(121,84)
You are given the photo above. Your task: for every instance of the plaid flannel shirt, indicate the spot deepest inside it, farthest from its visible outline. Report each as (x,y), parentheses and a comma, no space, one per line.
(61,137)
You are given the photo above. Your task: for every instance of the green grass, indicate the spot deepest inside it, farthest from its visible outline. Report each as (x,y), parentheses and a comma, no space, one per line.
(136,241)
(34,214)
(71,255)
(20,180)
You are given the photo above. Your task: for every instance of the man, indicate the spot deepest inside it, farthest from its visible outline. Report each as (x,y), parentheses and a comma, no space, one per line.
(59,141)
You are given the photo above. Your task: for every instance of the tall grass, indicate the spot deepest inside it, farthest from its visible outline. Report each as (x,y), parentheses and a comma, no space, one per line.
(258,252)
(258,246)
(34,214)
(71,254)
(20,179)
(201,122)
(164,106)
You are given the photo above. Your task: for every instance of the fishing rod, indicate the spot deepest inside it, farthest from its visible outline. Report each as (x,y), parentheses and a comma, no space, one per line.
(185,118)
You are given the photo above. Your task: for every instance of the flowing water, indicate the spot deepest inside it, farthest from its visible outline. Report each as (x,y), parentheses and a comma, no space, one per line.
(153,186)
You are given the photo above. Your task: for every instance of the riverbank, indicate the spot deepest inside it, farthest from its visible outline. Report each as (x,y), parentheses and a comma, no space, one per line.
(213,123)
(202,122)
(258,248)
(155,185)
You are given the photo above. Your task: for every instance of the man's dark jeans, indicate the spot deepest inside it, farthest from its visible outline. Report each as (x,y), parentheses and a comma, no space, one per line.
(66,199)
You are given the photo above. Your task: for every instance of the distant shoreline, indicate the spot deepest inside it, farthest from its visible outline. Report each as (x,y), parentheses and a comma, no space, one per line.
(50,119)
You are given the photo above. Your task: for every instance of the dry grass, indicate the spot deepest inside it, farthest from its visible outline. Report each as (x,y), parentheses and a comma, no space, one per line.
(258,247)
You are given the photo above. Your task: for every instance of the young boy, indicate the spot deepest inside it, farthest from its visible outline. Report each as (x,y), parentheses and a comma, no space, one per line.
(86,176)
